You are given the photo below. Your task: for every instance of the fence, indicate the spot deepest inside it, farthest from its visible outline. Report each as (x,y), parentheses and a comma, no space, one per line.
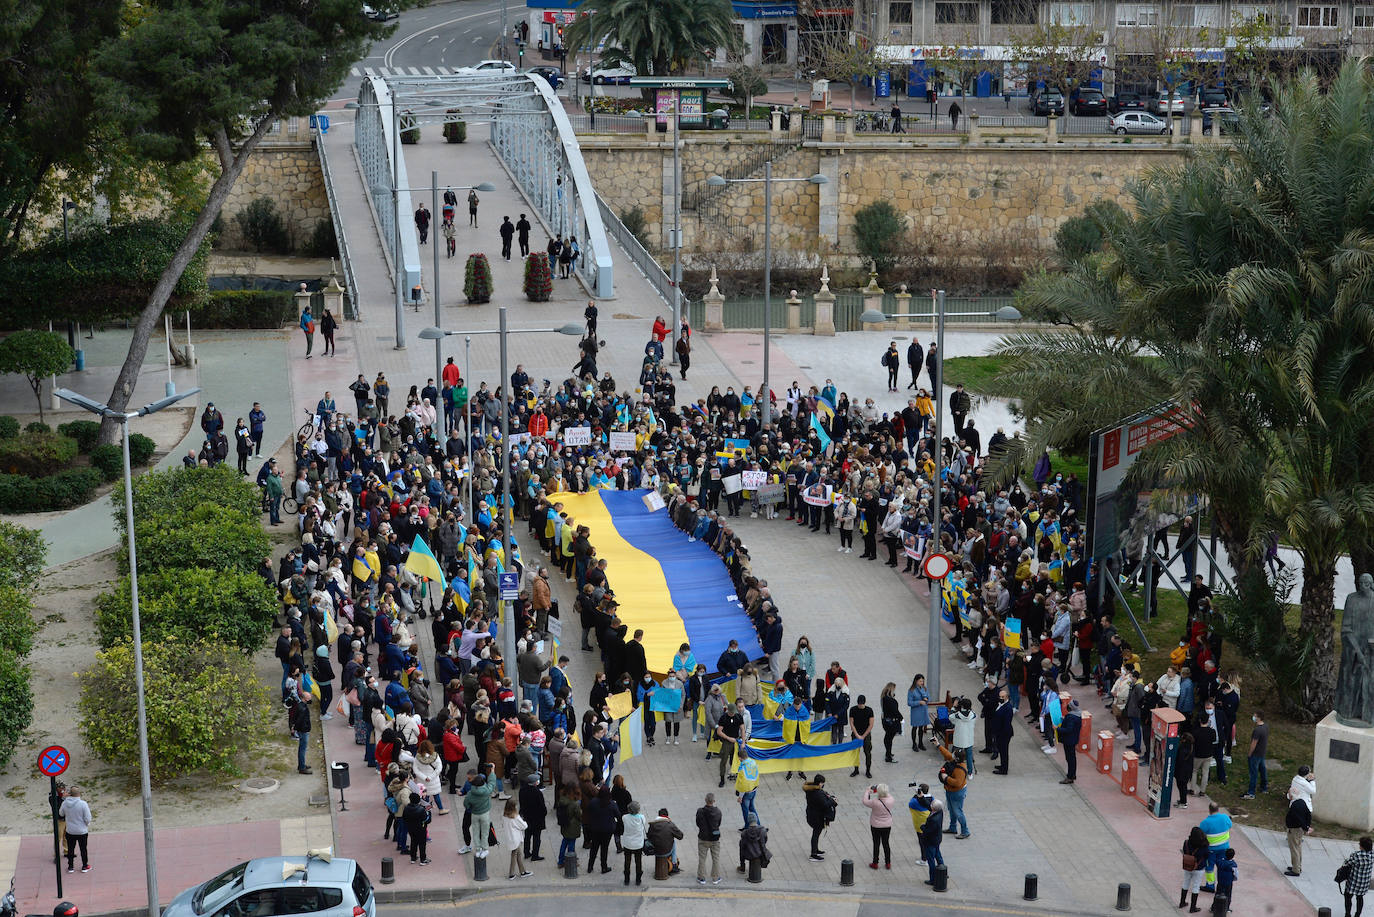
(628,124)
(659,280)
(351,308)
(746,313)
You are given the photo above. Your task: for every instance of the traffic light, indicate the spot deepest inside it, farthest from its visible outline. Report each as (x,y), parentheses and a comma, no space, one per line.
(521,52)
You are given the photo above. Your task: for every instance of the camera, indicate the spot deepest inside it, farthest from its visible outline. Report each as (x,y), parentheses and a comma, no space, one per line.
(914,783)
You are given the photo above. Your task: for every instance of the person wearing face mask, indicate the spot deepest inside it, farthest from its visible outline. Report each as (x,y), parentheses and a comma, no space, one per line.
(1259,747)
(1204,749)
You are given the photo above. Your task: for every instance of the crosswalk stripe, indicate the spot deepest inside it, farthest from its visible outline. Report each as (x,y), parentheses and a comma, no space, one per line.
(414,71)
(368,71)
(354,72)
(429,71)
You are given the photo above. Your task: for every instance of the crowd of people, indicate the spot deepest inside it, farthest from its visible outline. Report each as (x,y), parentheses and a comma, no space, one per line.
(1025,602)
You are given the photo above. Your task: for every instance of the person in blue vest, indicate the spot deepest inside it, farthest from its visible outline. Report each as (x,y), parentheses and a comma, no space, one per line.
(1217,828)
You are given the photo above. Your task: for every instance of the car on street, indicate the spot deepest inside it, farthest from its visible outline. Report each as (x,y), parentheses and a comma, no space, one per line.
(489,66)
(552,75)
(1212,97)
(1224,119)
(1047,100)
(615,76)
(1088,101)
(1137,122)
(377,15)
(1125,101)
(1166,103)
(281,885)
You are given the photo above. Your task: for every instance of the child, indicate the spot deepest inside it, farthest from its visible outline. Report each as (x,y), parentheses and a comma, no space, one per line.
(515,828)
(1226,876)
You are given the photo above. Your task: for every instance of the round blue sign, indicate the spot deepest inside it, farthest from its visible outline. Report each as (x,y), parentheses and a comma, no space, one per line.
(53,760)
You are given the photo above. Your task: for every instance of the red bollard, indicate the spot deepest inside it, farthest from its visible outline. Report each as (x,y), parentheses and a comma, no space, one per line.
(1106,743)
(1085,735)
(1130,772)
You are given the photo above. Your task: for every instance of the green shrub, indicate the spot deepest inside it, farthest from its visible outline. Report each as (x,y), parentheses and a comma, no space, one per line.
(477,279)
(22,555)
(17,627)
(9,427)
(637,224)
(114,268)
(456,131)
(1077,238)
(36,455)
(210,537)
(85,432)
(879,229)
(37,426)
(322,242)
(108,459)
(205,706)
(16,704)
(236,609)
(141,449)
(178,491)
(538,277)
(245,309)
(262,227)
(22,494)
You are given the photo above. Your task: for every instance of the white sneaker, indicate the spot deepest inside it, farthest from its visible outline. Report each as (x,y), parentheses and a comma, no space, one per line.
(849,550)
(1048,749)
(691,538)
(677,740)
(464,849)
(327,716)
(753,515)
(839,550)
(694,738)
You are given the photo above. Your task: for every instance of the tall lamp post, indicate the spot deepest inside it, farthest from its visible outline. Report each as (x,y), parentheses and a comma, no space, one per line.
(716,181)
(123,418)
(437,334)
(875,316)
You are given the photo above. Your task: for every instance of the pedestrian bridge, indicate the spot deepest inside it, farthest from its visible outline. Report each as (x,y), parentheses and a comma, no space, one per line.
(529,133)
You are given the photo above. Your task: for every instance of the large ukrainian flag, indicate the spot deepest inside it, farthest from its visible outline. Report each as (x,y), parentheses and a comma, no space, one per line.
(676,591)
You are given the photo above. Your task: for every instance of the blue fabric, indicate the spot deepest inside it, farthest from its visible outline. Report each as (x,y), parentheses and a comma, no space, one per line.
(772,729)
(698,583)
(798,750)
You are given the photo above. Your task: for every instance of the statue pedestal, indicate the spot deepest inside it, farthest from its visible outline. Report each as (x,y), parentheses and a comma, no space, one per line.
(1344,764)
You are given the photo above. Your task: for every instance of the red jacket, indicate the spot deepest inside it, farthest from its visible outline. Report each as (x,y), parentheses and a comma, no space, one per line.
(539,424)
(454,749)
(660,330)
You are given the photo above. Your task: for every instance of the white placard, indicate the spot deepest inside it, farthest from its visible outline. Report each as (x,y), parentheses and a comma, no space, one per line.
(622,441)
(817,495)
(753,480)
(732,484)
(556,629)
(653,500)
(577,436)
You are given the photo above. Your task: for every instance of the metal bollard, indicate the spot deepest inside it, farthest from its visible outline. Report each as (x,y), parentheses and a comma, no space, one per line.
(1032,887)
(479,868)
(1123,896)
(756,871)
(846,872)
(940,876)
(388,871)
(1220,905)
(1323,912)
(570,867)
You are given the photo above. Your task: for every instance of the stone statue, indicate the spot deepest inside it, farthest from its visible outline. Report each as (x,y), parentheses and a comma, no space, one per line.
(1355,680)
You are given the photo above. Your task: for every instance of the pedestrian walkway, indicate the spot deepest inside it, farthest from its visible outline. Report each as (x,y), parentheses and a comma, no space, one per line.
(185,857)
(1321,857)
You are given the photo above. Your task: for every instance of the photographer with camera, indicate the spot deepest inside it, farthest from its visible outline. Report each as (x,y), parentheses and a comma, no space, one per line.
(954,778)
(820,812)
(963,719)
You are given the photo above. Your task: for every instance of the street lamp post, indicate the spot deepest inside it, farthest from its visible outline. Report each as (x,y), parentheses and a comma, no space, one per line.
(436,334)
(716,181)
(876,316)
(123,418)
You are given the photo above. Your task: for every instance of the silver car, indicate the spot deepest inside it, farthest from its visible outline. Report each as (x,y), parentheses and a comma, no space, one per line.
(280,885)
(1137,122)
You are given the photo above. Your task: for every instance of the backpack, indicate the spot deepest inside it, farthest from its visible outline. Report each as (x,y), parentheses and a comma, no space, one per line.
(829,805)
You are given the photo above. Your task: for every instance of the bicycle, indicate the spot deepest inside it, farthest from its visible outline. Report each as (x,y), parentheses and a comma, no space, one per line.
(288,503)
(308,428)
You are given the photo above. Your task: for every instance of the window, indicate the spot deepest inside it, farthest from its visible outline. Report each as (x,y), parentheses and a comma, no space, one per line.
(947,13)
(1207,16)
(899,13)
(1013,12)
(1317,17)
(1129,15)
(1071,13)
(1364,17)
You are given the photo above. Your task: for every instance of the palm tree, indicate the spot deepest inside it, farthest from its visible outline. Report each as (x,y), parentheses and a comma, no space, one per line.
(661,37)
(1241,290)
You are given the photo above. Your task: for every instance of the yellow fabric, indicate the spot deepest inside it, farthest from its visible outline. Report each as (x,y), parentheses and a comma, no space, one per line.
(841,760)
(637,578)
(620,704)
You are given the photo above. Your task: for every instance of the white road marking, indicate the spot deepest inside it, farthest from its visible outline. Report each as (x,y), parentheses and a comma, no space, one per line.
(390,55)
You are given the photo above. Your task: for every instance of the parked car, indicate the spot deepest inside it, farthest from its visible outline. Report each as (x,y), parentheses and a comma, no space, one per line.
(1167,103)
(1125,101)
(1088,102)
(377,15)
(1225,119)
(1212,97)
(616,76)
(552,75)
(281,885)
(1137,122)
(489,66)
(1047,100)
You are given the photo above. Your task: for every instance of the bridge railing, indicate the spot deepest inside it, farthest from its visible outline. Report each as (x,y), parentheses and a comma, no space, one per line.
(352,302)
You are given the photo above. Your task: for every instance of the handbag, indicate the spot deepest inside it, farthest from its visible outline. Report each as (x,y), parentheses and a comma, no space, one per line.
(1343,873)
(1189,863)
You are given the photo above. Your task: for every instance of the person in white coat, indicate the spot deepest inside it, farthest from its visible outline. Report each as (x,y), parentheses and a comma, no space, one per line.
(426,766)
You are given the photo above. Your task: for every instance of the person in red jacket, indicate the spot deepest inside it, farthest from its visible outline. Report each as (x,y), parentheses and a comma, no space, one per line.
(660,330)
(539,423)
(453,751)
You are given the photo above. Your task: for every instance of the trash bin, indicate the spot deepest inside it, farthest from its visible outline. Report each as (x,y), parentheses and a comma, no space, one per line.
(321,122)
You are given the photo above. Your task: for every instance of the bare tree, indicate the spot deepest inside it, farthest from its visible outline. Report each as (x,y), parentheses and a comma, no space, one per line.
(848,55)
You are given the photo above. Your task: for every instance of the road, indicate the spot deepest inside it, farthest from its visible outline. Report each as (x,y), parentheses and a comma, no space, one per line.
(766,902)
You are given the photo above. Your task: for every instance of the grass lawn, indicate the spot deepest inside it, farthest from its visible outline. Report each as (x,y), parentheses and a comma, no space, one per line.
(976,373)
(1290,743)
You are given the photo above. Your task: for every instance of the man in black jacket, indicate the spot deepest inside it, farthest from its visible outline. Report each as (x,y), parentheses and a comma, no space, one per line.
(959,406)
(913,360)
(1003,731)
(1298,821)
(732,660)
(635,662)
(1069,731)
(708,840)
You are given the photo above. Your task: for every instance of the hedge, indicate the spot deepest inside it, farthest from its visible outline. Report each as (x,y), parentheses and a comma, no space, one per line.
(17,627)
(85,432)
(9,427)
(210,536)
(178,491)
(245,309)
(36,455)
(236,609)
(16,704)
(108,459)
(64,490)
(22,555)
(111,270)
(205,706)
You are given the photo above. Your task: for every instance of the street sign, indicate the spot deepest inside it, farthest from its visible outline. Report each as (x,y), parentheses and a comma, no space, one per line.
(937,566)
(509,582)
(53,760)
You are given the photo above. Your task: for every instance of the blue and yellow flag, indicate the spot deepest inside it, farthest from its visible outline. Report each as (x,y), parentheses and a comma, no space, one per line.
(422,562)
(632,735)
(825,409)
(823,436)
(807,758)
(362,569)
